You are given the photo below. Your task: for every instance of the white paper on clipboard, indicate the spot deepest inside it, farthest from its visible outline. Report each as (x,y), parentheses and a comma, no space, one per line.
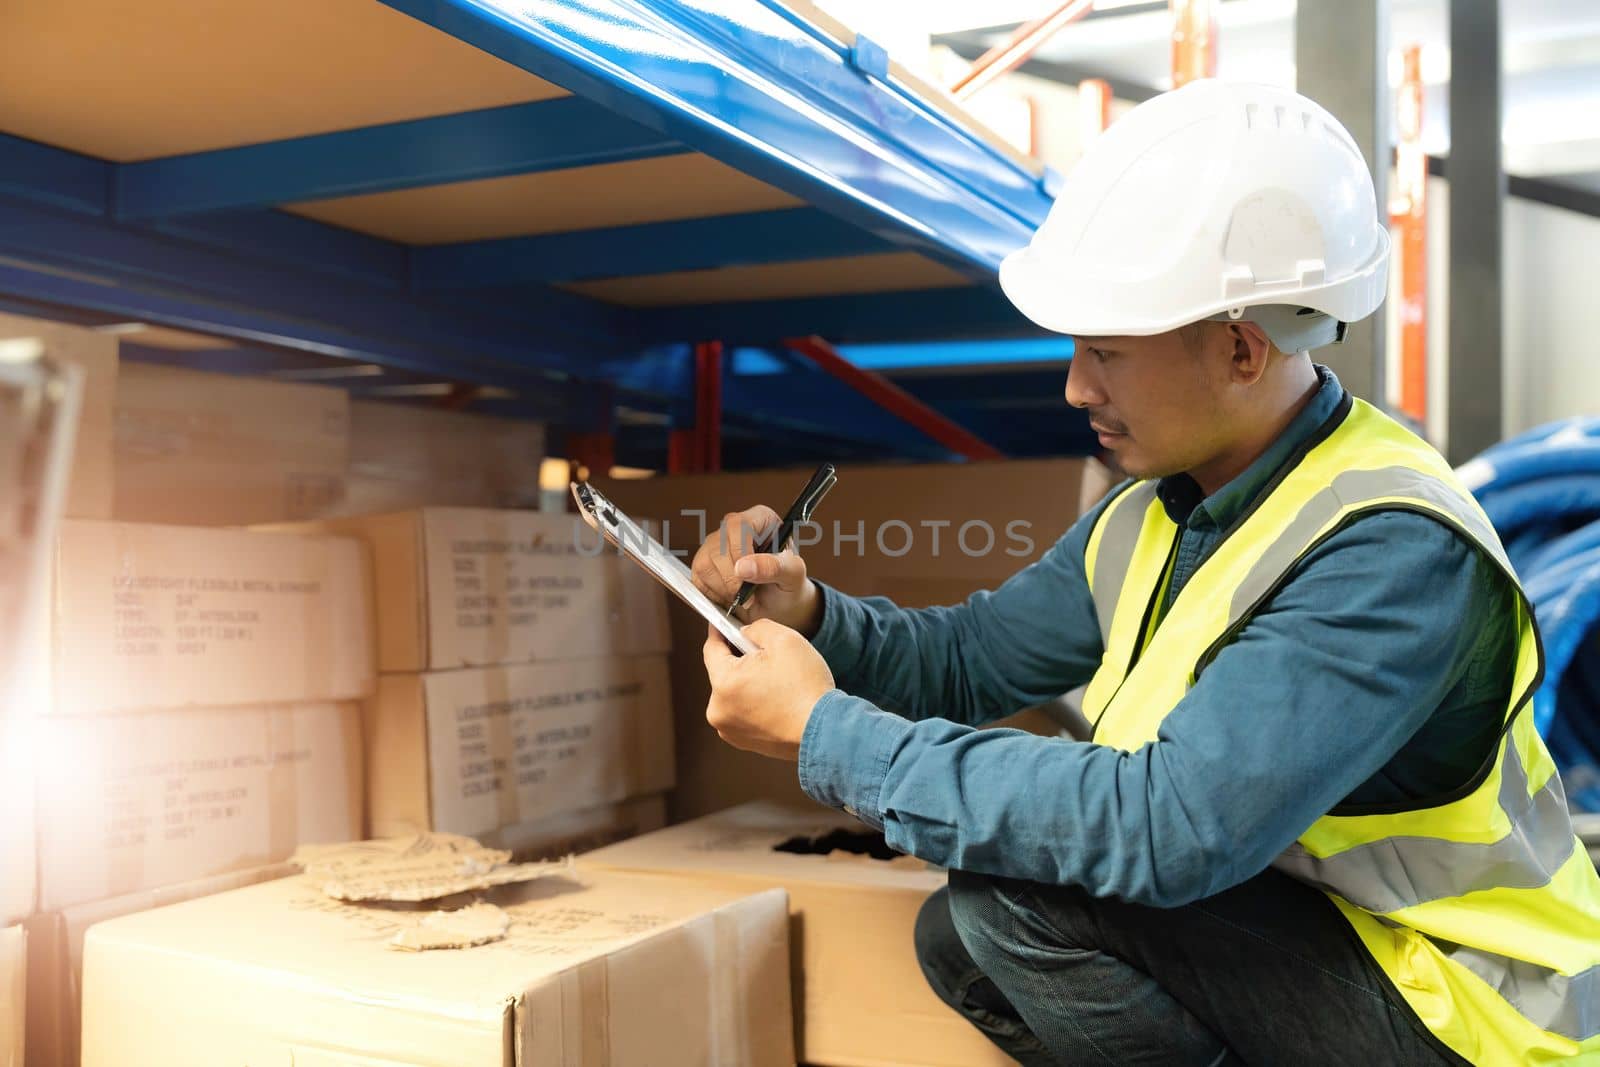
(654,557)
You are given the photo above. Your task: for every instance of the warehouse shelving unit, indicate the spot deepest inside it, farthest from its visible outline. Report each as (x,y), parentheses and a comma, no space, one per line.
(532,208)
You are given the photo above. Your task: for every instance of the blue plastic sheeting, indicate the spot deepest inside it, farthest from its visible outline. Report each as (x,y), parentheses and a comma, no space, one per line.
(1542,492)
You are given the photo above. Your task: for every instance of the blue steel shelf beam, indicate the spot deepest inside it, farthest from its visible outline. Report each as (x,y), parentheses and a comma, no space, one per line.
(316,276)
(757,237)
(979,312)
(779,100)
(289,240)
(491,143)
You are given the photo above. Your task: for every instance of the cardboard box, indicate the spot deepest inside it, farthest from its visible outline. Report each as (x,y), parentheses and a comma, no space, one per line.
(469,752)
(89,491)
(55,957)
(173,616)
(604,968)
(220,450)
(13,995)
(474,587)
(860,997)
(920,559)
(405,456)
(574,832)
(133,802)
(18,862)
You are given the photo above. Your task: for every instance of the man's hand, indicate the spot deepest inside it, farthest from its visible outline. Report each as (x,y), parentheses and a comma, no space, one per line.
(762,701)
(728,559)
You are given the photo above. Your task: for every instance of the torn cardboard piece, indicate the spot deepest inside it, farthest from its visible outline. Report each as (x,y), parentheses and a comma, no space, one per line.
(425,866)
(475,924)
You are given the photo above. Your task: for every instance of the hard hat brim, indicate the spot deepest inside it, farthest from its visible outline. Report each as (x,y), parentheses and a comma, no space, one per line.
(1046,299)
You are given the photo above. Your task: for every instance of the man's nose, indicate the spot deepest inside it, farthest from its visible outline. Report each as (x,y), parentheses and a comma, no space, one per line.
(1083,386)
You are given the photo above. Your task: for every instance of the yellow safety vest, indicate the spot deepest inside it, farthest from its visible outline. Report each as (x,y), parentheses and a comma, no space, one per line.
(1482,907)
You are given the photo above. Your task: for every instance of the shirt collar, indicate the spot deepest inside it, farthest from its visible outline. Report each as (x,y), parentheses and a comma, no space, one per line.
(1187,504)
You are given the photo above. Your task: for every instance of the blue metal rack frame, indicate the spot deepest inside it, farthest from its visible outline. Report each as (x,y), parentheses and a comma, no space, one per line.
(198,241)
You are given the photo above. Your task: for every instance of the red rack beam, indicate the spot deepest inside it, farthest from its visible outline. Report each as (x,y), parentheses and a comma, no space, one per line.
(895,400)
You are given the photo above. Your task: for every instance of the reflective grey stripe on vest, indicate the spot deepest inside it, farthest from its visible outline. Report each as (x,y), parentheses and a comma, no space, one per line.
(1349,490)
(1403,871)
(1118,538)
(1563,1004)
(1568,1005)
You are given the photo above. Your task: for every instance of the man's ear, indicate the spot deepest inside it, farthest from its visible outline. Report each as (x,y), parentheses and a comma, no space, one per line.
(1251,351)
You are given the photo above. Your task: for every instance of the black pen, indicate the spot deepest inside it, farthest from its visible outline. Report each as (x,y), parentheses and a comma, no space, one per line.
(800,511)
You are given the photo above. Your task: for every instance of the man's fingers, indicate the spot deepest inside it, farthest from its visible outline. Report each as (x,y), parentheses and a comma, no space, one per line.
(716,653)
(712,569)
(742,531)
(786,570)
(713,574)
(765,633)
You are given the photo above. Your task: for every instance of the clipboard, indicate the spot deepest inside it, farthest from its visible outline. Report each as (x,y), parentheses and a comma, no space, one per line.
(654,557)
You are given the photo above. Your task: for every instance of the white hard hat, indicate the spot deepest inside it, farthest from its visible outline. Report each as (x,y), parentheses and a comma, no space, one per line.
(1216,200)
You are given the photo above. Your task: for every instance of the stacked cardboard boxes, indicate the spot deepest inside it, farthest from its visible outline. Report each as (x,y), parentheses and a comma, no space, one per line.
(597,967)
(202,713)
(198,717)
(202,449)
(524,673)
(207,449)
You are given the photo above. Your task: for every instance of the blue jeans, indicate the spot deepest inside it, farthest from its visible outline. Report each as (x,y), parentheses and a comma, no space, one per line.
(1265,973)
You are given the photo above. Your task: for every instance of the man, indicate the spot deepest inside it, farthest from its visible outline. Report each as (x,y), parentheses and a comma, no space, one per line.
(1314,823)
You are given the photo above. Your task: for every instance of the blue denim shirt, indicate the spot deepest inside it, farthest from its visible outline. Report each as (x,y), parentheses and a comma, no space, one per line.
(1377,674)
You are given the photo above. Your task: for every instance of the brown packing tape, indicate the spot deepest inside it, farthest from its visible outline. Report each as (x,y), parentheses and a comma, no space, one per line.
(125,866)
(730,1033)
(496,568)
(283,793)
(648,725)
(585,1012)
(632,741)
(502,733)
(594,985)
(320,667)
(419,658)
(51,1038)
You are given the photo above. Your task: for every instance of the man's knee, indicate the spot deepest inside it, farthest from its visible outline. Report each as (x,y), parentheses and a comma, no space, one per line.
(999,919)
(980,912)
(944,960)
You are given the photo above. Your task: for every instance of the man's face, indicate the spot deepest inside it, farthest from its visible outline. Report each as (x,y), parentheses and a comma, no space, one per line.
(1159,403)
